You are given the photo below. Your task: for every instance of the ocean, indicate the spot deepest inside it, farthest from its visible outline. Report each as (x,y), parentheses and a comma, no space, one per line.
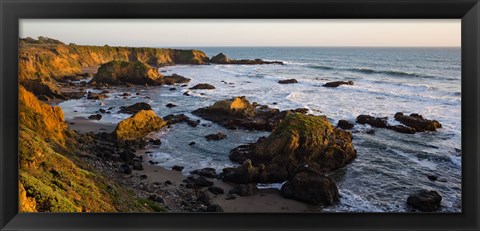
(389,165)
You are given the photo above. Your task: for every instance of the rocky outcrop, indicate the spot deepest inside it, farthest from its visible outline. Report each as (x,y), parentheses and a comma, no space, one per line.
(203,86)
(345,125)
(138,126)
(287,81)
(378,122)
(417,122)
(216,136)
(425,201)
(297,141)
(311,187)
(132,109)
(174,79)
(238,112)
(40,87)
(180,118)
(123,73)
(223,59)
(337,83)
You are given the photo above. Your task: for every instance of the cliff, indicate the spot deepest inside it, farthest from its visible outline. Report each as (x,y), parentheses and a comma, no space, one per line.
(53,177)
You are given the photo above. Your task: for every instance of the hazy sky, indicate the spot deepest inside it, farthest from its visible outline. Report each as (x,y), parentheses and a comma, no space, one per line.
(197,33)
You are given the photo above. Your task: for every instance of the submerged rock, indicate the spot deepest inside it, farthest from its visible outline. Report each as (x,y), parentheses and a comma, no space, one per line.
(287,81)
(310,187)
(138,125)
(132,109)
(217,136)
(417,122)
(425,201)
(124,73)
(337,83)
(203,86)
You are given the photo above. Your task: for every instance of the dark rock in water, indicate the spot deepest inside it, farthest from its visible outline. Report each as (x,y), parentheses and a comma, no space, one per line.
(177,168)
(101,110)
(137,165)
(223,59)
(96,96)
(244,190)
(277,157)
(170,105)
(432,177)
(310,187)
(132,109)
(417,122)
(371,132)
(156,141)
(186,93)
(172,89)
(126,94)
(127,156)
(198,182)
(174,119)
(345,125)
(287,81)
(156,198)
(74,94)
(216,190)
(402,129)
(206,172)
(378,122)
(218,136)
(337,83)
(425,201)
(203,86)
(173,79)
(95,117)
(191,143)
(125,168)
(214,208)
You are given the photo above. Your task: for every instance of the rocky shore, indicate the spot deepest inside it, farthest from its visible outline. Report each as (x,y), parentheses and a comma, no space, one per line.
(118,174)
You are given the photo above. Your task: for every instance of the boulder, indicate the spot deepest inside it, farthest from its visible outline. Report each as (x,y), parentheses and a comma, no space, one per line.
(127,156)
(297,141)
(311,187)
(337,83)
(174,79)
(378,122)
(287,81)
(220,59)
(137,165)
(425,201)
(344,124)
(138,125)
(132,109)
(417,122)
(125,168)
(402,129)
(74,94)
(197,182)
(174,119)
(170,105)
(123,73)
(244,189)
(95,117)
(217,136)
(206,172)
(203,86)
(216,190)
(96,96)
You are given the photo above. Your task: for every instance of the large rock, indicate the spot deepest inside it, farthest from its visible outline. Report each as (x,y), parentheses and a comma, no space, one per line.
(425,201)
(138,125)
(378,122)
(310,187)
(287,81)
(123,73)
(297,141)
(204,86)
(238,112)
(220,59)
(417,122)
(132,109)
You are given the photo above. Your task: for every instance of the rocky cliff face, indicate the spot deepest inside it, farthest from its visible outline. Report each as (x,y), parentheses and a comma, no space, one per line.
(57,61)
(122,72)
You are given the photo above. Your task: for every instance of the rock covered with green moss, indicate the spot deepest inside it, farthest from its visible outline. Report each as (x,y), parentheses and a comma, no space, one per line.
(299,140)
(121,73)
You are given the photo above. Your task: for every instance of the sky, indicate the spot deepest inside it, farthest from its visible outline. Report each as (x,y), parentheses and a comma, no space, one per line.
(252,32)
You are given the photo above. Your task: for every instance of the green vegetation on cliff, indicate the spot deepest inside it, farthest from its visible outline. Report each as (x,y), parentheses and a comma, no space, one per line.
(53,178)
(122,72)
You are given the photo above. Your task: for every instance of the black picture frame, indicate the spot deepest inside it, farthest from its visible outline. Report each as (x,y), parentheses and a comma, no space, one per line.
(467,10)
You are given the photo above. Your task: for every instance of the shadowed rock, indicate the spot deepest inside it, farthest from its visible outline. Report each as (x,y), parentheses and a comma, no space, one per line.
(417,122)
(425,201)
(132,109)
(337,83)
(287,81)
(205,86)
(378,122)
